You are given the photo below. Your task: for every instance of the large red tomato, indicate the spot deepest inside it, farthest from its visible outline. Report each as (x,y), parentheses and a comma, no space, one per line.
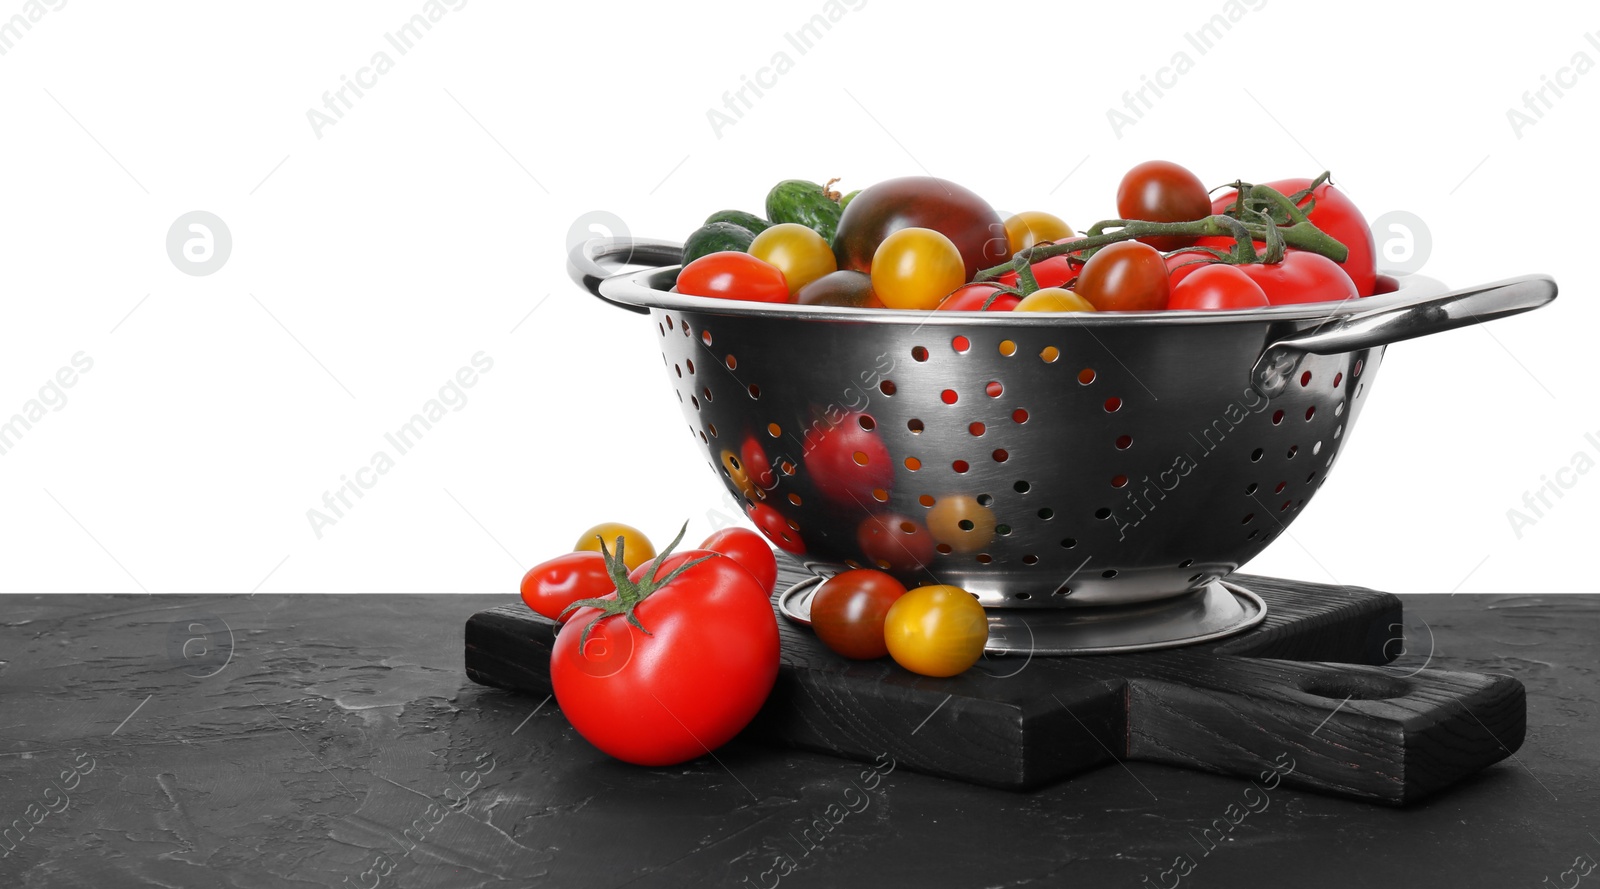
(1218,286)
(920,202)
(685,687)
(1301,278)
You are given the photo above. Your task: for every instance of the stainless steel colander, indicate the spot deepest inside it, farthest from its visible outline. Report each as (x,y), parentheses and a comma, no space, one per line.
(1035,460)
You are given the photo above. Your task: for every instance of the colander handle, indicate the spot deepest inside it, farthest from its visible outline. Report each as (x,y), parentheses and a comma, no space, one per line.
(1391,324)
(584,262)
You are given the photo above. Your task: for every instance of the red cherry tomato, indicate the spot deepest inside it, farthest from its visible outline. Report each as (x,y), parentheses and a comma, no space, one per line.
(971,297)
(848,461)
(1125,277)
(687,686)
(549,587)
(1336,215)
(847,612)
(750,550)
(776,528)
(1160,191)
(895,543)
(732,275)
(1301,278)
(1218,286)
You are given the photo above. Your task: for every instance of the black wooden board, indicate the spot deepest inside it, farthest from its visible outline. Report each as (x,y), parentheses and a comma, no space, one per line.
(1301,699)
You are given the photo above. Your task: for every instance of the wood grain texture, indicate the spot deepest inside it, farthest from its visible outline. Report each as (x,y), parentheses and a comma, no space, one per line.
(1304,685)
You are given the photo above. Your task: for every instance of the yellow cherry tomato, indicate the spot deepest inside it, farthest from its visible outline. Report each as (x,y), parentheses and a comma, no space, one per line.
(636,548)
(1032,227)
(916,268)
(800,253)
(1053,299)
(936,630)
(960,522)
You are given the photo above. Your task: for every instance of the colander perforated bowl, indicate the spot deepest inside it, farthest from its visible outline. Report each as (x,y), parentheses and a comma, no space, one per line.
(1036,460)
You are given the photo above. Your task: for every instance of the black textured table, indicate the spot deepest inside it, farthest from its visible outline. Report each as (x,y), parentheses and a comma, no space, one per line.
(336,741)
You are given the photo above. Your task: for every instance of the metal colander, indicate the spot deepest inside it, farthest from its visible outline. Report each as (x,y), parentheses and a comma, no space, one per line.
(1036,460)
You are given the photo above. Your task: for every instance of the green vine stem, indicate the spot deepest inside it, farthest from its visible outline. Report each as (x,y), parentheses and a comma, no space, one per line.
(630,593)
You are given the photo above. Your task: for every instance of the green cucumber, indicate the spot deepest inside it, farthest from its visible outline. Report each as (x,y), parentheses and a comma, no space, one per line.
(796,200)
(751,221)
(715,238)
(845,201)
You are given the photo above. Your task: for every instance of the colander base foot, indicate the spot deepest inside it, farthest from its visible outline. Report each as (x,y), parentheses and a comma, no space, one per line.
(1221,609)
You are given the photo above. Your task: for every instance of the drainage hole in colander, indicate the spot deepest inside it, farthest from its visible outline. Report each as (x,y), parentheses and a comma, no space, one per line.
(689,363)
(1064,590)
(965,525)
(1186,563)
(1049,354)
(886,387)
(1008,348)
(1337,379)
(1021,487)
(1196,577)
(669,322)
(1002,530)
(1103,512)
(993,389)
(1047,513)
(1119,481)
(1338,409)
(794,498)
(861,458)
(1354,373)
(866,422)
(1316,449)
(1113,404)
(926,500)
(1124,442)
(705,337)
(1247,518)
(944,549)
(704,439)
(1359,387)
(1338,429)
(976,428)
(786,467)
(660,328)
(1249,489)
(753,389)
(713,428)
(1029,559)
(1019,416)
(1311,412)
(915,426)
(960,466)
(1310,477)
(949,396)
(706,391)
(908,527)
(1255,455)
(919,353)
(1305,378)
(1000,455)
(985,558)
(774,430)
(1086,376)
(694,401)
(880,495)
(678,370)
(1277,417)
(1280,487)
(679,394)
(1253,534)
(913,464)
(685,325)
(961,344)
(1068,543)
(1293,449)
(731,361)
(1285,506)
(985,499)
(1109,573)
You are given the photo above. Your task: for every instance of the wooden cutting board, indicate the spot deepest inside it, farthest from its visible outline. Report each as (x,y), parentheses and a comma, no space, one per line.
(1299,699)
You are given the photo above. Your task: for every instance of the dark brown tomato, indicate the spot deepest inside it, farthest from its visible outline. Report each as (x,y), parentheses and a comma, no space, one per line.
(920,202)
(843,288)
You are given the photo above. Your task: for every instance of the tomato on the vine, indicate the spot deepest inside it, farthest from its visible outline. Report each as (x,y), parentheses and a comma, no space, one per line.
(848,609)
(550,586)
(971,297)
(672,665)
(1182,265)
(732,275)
(635,547)
(1337,216)
(1161,191)
(796,250)
(936,630)
(916,268)
(1218,286)
(1301,278)
(1126,276)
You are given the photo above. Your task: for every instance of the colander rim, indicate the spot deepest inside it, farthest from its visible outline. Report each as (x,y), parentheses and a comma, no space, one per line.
(645,290)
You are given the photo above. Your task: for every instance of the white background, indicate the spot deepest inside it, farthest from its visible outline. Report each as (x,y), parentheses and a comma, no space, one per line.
(371,263)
